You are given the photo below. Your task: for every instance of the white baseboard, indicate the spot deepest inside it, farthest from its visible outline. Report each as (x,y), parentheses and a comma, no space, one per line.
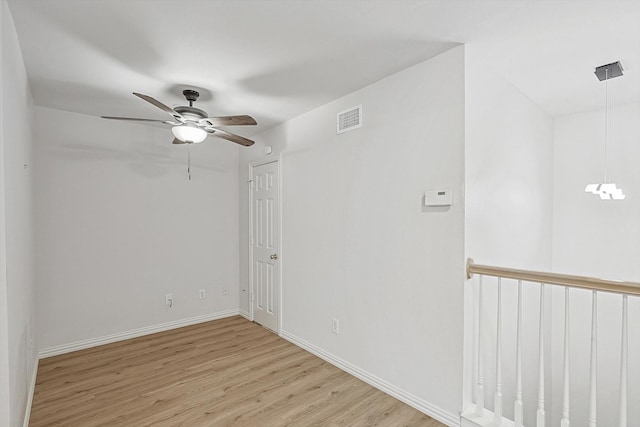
(470,418)
(245,314)
(134,333)
(451,420)
(32,389)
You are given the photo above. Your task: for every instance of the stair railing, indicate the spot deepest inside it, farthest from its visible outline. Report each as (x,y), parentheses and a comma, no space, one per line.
(481,416)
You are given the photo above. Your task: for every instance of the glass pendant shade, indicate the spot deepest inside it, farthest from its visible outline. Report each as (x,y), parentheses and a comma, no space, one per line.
(605,191)
(189,133)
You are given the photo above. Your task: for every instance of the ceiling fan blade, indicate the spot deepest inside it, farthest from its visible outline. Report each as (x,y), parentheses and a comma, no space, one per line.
(133,119)
(177,141)
(230,137)
(161,106)
(228,121)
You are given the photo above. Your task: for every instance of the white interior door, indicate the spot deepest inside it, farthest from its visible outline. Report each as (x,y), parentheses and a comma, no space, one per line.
(265,274)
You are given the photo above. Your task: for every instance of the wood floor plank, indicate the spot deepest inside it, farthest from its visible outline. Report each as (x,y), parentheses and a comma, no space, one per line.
(228,372)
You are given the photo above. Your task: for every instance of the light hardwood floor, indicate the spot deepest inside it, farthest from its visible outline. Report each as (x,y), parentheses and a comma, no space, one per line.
(228,372)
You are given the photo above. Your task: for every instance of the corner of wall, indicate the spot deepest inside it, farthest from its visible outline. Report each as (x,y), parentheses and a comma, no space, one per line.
(4,328)
(17,244)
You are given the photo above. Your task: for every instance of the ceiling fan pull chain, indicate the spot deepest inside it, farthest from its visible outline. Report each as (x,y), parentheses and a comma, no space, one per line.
(189,161)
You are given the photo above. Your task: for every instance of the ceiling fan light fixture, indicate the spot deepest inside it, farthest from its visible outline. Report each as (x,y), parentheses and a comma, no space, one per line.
(189,133)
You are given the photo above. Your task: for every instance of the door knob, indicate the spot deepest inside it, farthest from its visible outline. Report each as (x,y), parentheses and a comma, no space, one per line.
(274,256)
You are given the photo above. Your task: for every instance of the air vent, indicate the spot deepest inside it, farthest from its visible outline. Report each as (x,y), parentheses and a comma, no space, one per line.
(350,119)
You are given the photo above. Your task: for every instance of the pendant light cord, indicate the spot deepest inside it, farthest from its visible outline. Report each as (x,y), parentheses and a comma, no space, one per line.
(606,121)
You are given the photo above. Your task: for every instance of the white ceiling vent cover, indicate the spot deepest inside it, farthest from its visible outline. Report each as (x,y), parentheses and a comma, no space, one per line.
(350,119)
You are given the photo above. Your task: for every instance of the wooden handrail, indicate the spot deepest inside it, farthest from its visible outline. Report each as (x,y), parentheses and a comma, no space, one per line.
(592,283)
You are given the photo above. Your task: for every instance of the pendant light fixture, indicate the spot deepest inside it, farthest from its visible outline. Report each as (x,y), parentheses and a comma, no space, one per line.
(607,190)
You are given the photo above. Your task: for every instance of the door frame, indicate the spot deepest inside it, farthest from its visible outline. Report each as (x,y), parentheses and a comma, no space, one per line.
(278,283)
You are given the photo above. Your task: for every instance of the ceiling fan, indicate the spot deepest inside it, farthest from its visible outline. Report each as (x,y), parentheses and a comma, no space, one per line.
(191,125)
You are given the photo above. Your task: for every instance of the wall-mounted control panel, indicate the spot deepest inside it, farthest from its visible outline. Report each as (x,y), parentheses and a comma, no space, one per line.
(438,197)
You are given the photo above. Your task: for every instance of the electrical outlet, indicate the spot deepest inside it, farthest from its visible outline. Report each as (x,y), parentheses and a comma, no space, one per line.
(168,300)
(225,292)
(335,326)
(202,294)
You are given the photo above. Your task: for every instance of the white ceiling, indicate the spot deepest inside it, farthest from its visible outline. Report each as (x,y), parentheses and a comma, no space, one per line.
(276,59)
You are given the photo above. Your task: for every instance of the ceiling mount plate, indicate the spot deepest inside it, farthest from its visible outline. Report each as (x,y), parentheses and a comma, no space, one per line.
(615,70)
(191,95)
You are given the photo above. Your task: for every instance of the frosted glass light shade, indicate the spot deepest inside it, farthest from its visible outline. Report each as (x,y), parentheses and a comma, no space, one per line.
(605,191)
(189,133)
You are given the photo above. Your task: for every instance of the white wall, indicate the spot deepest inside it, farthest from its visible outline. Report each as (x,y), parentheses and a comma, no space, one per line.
(357,245)
(119,226)
(17,282)
(509,174)
(5,405)
(597,238)
(593,237)
(508,219)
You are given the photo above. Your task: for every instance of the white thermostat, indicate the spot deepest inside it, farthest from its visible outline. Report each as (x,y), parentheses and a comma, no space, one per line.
(438,198)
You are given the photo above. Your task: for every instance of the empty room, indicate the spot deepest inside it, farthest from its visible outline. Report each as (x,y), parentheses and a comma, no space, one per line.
(319,213)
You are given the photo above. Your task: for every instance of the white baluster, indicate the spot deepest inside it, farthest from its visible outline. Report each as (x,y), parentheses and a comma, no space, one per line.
(564,422)
(497,408)
(594,361)
(518,410)
(623,365)
(480,372)
(540,414)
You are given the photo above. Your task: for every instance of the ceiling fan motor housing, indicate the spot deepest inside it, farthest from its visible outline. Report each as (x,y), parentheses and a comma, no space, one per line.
(191,112)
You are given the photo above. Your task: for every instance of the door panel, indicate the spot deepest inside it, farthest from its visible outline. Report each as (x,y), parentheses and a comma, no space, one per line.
(265,245)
